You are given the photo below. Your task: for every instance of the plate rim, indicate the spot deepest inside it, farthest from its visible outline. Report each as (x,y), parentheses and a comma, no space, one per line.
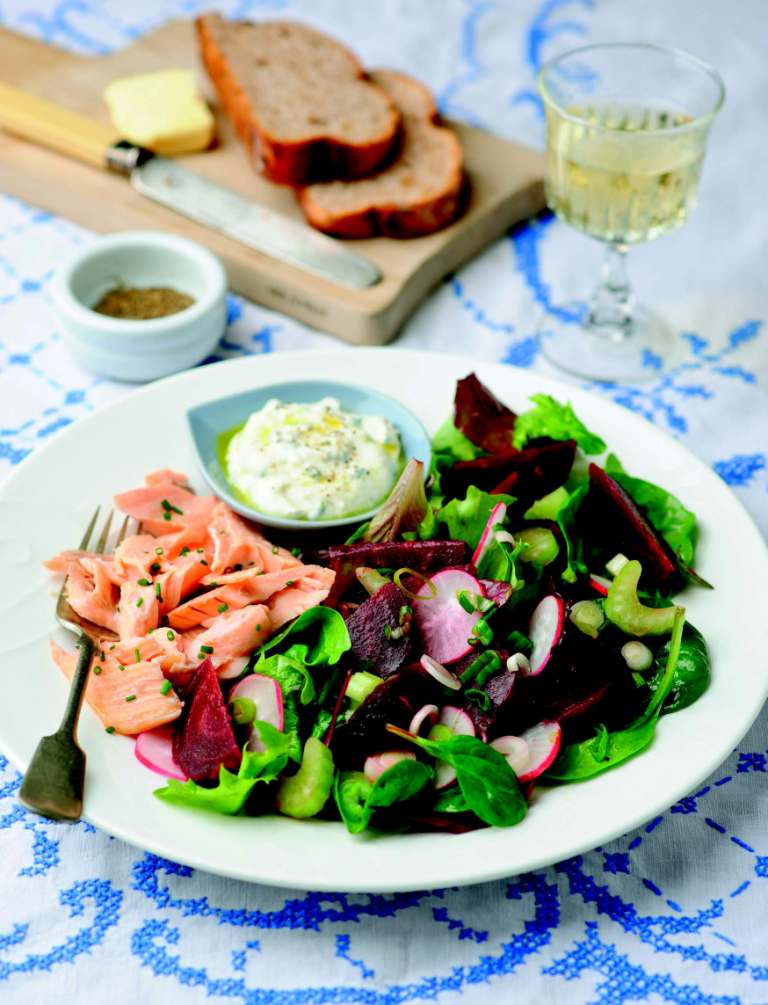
(439,874)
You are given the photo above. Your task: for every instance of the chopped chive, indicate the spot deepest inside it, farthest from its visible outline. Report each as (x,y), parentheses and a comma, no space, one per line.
(200,551)
(158,592)
(158,551)
(258,628)
(170,508)
(184,551)
(166,515)
(120,666)
(170,635)
(97,670)
(295,552)
(275,550)
(222,607)
(290,582)
(165,687)
(114,646)
(109,729)
(203,562)
(237,567)
(206,649)
(130,697)
(143,582)
(137,654)
(213,583)
(155,567)
(101,655)
(140,601)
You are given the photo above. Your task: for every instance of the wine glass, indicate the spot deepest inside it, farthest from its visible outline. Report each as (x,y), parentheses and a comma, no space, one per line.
(627,126)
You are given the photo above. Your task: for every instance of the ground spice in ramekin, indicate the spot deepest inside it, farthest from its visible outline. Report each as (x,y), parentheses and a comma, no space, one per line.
(142,303)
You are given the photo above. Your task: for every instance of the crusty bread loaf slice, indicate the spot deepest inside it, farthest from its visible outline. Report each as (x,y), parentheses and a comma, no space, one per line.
(419,192)
(298,99)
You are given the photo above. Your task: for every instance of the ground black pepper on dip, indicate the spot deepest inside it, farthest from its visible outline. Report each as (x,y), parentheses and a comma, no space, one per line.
(142,303)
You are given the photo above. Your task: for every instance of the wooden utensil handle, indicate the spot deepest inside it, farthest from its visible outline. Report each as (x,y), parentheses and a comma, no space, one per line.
(50,125)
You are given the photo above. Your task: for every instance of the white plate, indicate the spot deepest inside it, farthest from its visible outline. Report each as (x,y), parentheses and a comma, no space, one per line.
(44,507)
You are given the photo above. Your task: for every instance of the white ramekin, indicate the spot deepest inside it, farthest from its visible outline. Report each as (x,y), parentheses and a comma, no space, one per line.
(133,350)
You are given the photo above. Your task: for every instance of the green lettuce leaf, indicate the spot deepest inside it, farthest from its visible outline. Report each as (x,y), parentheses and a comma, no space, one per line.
(330,642)
(675,523)
(465,519)
(232,791)
(550,418)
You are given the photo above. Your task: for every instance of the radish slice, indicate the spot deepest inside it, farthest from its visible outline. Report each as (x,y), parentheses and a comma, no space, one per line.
(457,720)
(544,630)
(426,714)
(267,696)
(600,583)
(514,749)
(377,764)
(439,672)
(498,515)
(444,624)
(154,749)
(543,745)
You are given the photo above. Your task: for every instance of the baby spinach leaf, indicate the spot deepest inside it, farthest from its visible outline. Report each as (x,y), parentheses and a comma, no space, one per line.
(450,800)
(232,791)
(605,750)
(559,422)
(486,780)
(676,524)
(466,518)
(692,673)
(357,797)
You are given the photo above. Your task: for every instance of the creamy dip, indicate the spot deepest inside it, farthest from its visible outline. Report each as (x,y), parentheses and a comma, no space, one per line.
(313,461)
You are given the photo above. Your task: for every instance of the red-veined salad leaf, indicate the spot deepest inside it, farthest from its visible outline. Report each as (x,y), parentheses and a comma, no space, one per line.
(481,417)
(404,509)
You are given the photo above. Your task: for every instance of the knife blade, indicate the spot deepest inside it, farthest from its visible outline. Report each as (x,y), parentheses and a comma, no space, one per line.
(167,182)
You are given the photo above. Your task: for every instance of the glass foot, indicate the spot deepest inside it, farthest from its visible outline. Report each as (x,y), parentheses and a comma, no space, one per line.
(635,352)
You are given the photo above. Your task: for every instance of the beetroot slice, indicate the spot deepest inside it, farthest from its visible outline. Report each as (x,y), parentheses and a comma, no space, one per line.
(499,689)
(370,629)
(204,739)
(617,525)
(526,474)
(481,417)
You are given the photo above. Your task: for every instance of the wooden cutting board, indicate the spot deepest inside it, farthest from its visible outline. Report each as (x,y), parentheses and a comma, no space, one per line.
(505,178)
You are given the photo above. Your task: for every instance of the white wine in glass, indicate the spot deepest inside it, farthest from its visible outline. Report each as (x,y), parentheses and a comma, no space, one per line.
(626,131)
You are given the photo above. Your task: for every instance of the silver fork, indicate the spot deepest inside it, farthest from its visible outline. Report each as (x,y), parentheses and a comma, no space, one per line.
(53,783)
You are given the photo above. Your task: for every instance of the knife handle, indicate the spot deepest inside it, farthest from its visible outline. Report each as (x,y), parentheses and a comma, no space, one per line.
(49,125)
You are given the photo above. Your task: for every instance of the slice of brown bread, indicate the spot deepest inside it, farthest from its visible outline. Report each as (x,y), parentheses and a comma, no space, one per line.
(298,99)
(419,192)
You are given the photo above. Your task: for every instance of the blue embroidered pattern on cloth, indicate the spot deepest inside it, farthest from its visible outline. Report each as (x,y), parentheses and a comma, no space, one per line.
(673,912)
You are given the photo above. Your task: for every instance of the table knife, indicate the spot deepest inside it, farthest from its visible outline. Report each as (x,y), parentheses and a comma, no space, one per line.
(175,186)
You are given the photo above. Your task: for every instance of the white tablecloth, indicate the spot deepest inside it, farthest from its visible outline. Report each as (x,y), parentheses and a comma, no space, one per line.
(673,912)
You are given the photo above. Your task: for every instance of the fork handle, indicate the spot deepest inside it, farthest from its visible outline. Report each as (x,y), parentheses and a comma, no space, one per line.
(77,686)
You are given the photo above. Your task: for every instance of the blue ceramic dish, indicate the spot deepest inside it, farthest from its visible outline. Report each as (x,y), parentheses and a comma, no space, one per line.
(209,421)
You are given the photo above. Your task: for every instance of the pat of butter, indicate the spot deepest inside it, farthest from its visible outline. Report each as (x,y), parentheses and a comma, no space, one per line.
(162,111)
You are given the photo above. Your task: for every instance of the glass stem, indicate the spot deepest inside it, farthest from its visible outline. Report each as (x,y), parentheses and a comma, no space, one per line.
(612,304)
